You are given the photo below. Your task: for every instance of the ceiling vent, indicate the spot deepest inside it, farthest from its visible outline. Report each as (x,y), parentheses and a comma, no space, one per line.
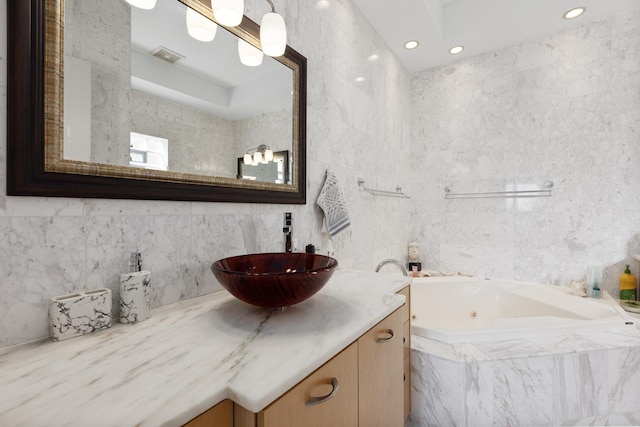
(165,54)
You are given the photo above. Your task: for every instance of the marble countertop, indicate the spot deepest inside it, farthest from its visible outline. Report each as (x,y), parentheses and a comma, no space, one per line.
(189,356)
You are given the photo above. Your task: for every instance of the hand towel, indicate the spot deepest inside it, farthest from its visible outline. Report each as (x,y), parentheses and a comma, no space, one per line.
(331,201)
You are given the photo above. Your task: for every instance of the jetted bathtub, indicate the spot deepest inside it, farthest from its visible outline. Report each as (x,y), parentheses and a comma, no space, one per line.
(462,309)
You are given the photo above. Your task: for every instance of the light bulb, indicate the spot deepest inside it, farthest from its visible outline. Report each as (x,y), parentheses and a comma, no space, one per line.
(268,155)
(574,13)
(257,157)
(228,12)
(411,44)
(199,27)
(249,54)
(247,159)
(142,4)
(273,34)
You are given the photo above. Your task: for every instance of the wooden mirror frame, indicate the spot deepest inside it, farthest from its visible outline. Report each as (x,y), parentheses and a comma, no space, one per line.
(34,119)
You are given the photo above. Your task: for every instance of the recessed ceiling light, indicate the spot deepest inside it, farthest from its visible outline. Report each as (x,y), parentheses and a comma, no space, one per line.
(323,4)
(574,13)
(373,58)
(456,49)
(359,79)
(411,44)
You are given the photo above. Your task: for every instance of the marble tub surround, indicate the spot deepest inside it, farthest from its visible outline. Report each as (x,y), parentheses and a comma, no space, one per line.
(570,380)
(79,314)
(189,356)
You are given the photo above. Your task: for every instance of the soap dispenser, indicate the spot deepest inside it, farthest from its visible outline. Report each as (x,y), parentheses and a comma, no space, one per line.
(627,285)
(135,292)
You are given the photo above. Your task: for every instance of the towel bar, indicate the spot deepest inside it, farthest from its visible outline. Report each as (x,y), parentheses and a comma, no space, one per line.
(546,192)
(376,192)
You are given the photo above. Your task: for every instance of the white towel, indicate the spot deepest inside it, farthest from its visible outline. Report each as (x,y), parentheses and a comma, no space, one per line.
(331,201)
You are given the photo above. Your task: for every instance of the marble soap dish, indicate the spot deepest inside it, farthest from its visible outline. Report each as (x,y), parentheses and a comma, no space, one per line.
(80,313)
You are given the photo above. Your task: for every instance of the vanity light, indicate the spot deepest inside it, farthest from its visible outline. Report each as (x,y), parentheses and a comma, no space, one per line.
(411,44)
(574,13)
(228,12)
(456,50)
(199,27)
(373,58)
(359,79)
(273,33)
(262,154)
(142,4)
(323,4)
(249,54)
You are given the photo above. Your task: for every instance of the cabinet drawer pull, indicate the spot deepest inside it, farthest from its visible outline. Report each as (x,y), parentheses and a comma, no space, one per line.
(386,339)
(318,400)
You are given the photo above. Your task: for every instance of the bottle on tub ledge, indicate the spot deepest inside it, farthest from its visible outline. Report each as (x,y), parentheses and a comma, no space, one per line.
(135,292)
(627,285)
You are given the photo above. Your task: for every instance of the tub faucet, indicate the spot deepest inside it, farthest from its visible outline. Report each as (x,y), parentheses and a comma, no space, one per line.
(287,230)
(392,261)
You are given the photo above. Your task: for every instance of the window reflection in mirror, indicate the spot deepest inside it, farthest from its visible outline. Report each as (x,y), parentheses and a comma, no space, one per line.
(149,152)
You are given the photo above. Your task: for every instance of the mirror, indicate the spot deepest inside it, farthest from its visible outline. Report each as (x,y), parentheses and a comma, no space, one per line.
(155,130)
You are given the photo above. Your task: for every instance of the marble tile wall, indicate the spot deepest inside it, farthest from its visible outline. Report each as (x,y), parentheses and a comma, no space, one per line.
(53,246)
(566,108)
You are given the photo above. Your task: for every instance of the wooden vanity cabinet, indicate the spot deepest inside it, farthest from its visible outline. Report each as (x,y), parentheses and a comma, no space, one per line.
(316,401)
(380,370)
(220,415)
(327,397)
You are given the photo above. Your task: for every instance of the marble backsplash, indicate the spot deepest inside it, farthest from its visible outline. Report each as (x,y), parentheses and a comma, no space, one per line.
(565,108)
(55,246)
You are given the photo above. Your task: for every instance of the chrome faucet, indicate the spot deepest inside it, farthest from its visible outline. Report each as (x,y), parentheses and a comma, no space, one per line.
(287,230)
(394,262)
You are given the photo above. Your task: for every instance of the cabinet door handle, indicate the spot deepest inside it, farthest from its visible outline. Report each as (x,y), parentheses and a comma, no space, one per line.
(386,339)
(318,400)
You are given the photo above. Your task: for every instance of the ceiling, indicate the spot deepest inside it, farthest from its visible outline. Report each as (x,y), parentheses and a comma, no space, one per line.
(479,25)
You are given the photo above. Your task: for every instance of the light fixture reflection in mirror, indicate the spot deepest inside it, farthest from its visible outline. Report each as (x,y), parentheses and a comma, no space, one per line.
(261,154)
(142,4)
(250,55)
(199,27)
(276,170)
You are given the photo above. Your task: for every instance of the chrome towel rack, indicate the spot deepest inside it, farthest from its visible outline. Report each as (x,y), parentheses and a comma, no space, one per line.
(546,192)
(376,192)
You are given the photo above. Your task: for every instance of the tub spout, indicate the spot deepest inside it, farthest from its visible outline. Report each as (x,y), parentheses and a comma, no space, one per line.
(394,262)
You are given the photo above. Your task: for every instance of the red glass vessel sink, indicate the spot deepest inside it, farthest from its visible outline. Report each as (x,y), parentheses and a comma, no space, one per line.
(274,280)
